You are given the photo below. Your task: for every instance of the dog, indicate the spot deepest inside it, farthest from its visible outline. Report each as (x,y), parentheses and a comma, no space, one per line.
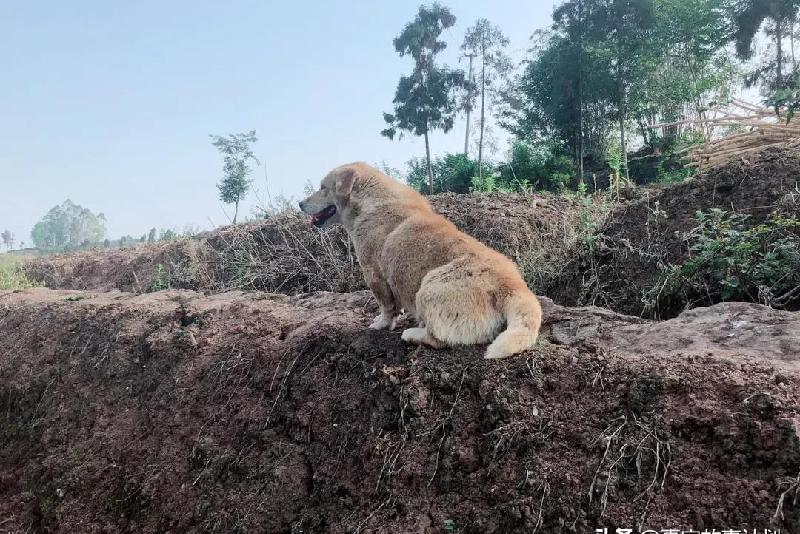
(460,291)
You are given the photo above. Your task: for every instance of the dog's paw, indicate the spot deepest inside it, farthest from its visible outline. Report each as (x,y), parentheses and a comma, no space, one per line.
(414,335)
(381,322)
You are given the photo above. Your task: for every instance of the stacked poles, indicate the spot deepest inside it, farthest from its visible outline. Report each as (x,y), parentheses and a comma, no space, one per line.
(737,129)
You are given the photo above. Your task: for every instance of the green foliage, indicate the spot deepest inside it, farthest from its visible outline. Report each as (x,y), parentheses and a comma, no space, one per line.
(485,184)
(424,101)
(237,156)
(583,189)
(168,235)
(608,66)
(673,176)
(453,173)
(160,279)
(67,227)
(734,261)
(786,98)
(548,99)
(542,166)
(778,18)
(11,276)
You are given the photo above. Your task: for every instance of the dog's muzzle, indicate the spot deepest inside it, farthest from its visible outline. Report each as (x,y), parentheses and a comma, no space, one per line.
(318,219)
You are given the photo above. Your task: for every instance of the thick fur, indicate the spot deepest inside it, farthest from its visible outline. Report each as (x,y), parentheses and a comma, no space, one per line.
(414,260)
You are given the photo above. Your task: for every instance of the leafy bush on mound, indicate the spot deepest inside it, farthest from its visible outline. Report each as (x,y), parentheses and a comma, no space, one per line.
(11,277)
(732,261)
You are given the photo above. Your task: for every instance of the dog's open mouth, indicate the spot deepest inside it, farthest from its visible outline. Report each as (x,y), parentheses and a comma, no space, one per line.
(319,219)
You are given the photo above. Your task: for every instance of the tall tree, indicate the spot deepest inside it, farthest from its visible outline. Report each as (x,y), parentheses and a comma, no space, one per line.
(631,23)
(570,17)
(610,64)
(687,66)
(487,42)
(68,226)
(749,16)
(426,99)
(468,101)
(237,155)
(562,93)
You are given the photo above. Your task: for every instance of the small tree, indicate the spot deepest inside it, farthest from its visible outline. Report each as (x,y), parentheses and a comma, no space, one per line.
(424,100)
(8,239)
(237,155)
(486,42)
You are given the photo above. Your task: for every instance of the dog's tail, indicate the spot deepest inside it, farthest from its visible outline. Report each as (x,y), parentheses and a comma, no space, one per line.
(523,315)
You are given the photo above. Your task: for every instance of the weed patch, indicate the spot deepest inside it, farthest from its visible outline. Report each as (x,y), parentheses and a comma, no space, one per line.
(733,261)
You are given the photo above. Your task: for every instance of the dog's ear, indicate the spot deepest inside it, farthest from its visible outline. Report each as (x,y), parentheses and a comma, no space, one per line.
(344,182)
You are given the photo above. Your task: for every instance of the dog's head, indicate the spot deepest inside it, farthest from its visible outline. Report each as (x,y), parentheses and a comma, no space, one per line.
(326,205)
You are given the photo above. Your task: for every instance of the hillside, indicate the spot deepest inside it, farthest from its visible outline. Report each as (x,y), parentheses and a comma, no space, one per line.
(232,386)
(575,250)
(249,412)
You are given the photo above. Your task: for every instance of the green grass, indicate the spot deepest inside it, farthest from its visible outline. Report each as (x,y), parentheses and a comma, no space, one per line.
(11,277)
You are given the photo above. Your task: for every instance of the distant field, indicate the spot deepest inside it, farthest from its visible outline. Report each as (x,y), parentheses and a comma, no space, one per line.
(10,275)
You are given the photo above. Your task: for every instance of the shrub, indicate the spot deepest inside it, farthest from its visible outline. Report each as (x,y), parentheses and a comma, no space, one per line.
(731,261)
(453,173)
(543,166)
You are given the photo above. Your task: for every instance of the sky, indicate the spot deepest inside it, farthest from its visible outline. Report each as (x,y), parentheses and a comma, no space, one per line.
(110,104)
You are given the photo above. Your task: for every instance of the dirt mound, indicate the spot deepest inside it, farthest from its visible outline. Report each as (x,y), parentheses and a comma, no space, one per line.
(639,238)
(284,254)
(574,250)
(175,412)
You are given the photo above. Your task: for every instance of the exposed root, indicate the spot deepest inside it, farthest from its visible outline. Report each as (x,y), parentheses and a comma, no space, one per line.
(794,486)
(649,445)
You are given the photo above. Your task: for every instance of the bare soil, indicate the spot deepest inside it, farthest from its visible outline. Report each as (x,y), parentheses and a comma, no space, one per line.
(250,412)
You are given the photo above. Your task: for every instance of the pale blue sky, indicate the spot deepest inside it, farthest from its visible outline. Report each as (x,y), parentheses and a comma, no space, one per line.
(110,103)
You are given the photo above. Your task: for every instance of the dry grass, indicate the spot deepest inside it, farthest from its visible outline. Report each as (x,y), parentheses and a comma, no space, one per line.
(284,254)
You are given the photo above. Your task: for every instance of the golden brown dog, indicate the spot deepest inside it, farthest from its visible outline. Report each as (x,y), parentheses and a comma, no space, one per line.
(461,291)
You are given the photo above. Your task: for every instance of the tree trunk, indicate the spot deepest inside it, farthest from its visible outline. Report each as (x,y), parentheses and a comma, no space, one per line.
(621,96)
(791,42)
(623,144)
(779,41)
(580,94)
(428,162)
(469,105)
(236,212)
(483,108)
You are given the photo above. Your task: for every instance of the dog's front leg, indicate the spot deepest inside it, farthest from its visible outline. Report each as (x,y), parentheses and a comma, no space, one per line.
(383,294)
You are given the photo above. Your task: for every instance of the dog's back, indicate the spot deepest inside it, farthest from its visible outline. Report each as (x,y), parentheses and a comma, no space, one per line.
(463,291)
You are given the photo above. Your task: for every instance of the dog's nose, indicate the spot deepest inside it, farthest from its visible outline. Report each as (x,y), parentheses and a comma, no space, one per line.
(302,204)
